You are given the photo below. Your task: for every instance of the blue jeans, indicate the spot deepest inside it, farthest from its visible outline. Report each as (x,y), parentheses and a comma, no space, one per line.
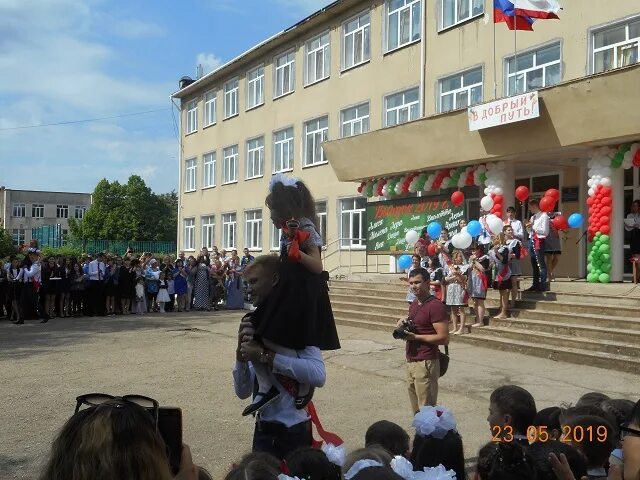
(539,266)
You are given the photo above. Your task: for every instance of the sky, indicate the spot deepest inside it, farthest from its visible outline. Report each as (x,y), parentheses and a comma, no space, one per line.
(74,60)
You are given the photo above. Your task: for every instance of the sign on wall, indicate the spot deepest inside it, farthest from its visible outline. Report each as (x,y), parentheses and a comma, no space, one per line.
(504,111)
(388,221)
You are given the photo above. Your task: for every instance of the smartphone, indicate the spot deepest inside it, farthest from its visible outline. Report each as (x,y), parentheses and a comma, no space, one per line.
(170,428)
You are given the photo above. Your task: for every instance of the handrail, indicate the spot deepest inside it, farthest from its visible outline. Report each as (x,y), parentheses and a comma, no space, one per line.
(339,249)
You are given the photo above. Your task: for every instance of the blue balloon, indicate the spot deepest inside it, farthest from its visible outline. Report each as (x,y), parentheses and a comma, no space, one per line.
(404,262)
(474,228)
(575,220)
(434,229)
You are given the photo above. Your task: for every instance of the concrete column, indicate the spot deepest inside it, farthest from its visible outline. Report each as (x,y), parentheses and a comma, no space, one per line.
(616,240)
(509,187)
(393,264)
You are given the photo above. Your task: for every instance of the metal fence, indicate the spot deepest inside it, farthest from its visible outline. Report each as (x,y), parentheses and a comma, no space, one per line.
(51,236)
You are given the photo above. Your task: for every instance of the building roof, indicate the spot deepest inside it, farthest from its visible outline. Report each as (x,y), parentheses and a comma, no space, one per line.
(42,191)
(262,47)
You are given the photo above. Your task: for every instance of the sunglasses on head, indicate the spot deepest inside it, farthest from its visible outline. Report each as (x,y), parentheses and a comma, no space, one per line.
(626,431)
(97,399)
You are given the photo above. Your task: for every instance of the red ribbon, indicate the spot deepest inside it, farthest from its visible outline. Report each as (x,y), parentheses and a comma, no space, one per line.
(327,437)
(297,239)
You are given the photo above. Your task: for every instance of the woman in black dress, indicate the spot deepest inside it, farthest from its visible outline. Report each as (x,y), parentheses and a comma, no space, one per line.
(126,285)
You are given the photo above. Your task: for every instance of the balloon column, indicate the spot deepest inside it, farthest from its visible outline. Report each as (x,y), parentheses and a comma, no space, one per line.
(494,190)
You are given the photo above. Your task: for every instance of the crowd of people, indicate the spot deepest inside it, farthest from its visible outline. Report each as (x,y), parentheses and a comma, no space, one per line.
(459,277)
(102,284)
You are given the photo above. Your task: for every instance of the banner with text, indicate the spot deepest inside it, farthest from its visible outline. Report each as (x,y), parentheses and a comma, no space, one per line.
(389,221)
(501,112)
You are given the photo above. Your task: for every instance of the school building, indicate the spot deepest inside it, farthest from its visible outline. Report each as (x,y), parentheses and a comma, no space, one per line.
(364,90)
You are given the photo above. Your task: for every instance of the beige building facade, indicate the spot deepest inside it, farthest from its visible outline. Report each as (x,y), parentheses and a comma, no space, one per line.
(386,85)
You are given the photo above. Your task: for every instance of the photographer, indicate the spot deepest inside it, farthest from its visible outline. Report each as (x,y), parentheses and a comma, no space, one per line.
(424,329)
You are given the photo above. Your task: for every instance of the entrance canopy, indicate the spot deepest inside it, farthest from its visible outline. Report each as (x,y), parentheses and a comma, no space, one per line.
(574,117)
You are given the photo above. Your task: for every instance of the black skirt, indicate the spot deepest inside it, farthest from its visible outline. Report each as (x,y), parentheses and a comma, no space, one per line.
(297,313)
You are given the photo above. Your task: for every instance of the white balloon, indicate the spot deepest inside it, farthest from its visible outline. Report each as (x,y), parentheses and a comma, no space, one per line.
(411,237)
(498,191)
(634,148)
(494,224)
(606,182)
(464,239)
(605,172)
(486,203)
(487,191)
(591,192)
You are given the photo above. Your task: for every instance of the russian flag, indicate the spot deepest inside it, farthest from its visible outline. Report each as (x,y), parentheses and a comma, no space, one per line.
(505,11)
(537,8)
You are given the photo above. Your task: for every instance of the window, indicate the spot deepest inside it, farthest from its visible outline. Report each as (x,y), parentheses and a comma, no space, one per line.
(228,230)
(230,165)
(231,98)
(356,42)
(355,120)
(209,164)
(253,229)
(533,70)
(19,210)
(352,222)
(255,87)
(80,210)
(37,210)
(321,220)
(457,11)
(192,116)
(285,74)
(190,175)
(315,132)
(62,211)
(210,104)
(189,233)
(616,46)
(461,90)
(255,158)
(403,22)
(318,59)
(402,107)
(275,235)
(283,150)
(208,228)
(17,234)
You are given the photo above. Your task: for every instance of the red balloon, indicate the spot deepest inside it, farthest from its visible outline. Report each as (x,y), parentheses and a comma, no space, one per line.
(605,210)
(560,222)
(636,159)
(457,198)
(522,193)
(431,249)
(605,229)
(590,201)
(360,189)
(498,199)
(553,193)
(547,204)
(606,201)
(606,191)
(498,207)
(604,219)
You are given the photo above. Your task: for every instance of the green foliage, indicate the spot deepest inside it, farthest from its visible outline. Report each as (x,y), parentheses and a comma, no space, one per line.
(6,244)
(65,251)
(129,212)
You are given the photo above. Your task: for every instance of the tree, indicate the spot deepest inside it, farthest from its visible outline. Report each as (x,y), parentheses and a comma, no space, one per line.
(6,244)
(128,211)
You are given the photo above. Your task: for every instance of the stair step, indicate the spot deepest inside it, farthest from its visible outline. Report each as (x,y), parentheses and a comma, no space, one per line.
(385,327)
(579,307)
(605,317)
(386,292)
(562,341)
(566,354)
(369,301)
(598,332)
(576,297)
(350,313)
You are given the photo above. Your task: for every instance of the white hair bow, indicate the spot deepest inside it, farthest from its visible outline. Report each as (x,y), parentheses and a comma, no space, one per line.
(283,476)
(336,454)
(404,468)
(360,465)
(286,180)
(434,421)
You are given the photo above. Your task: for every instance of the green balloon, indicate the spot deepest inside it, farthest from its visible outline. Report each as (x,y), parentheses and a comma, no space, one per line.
(589,267)
(604,238)
(598,244)
(598,234)
(592,278)
(604,278)
(606,257)
(606,267)
(604,248)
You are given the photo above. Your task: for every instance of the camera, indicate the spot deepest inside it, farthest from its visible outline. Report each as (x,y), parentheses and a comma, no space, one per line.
(407,326)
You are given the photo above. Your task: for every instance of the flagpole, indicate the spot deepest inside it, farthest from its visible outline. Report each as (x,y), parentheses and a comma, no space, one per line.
(495,69)
(515,46)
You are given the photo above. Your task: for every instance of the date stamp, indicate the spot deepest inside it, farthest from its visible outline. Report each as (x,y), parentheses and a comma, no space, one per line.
(569,434)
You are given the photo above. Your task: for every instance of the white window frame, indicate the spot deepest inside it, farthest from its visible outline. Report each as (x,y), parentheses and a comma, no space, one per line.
(255,158)
(37,210)
(253,230)
(289,142)
(19,210)
(192,117)
(616,47)
(18,236)
(526,71)
(79,211)
(210,108)
(62,211)
(209,161)
(322,221)
(404,106)
(311,58)
(274,238)
(189,225)
(458,19)
(230,165)
(255,87)
(350,243)
(407,5)
(362,31)
(229,230)
(190,175)
(279,77)
(318,134)
(360,120)
(208,229)
(231,98)
(461,90)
